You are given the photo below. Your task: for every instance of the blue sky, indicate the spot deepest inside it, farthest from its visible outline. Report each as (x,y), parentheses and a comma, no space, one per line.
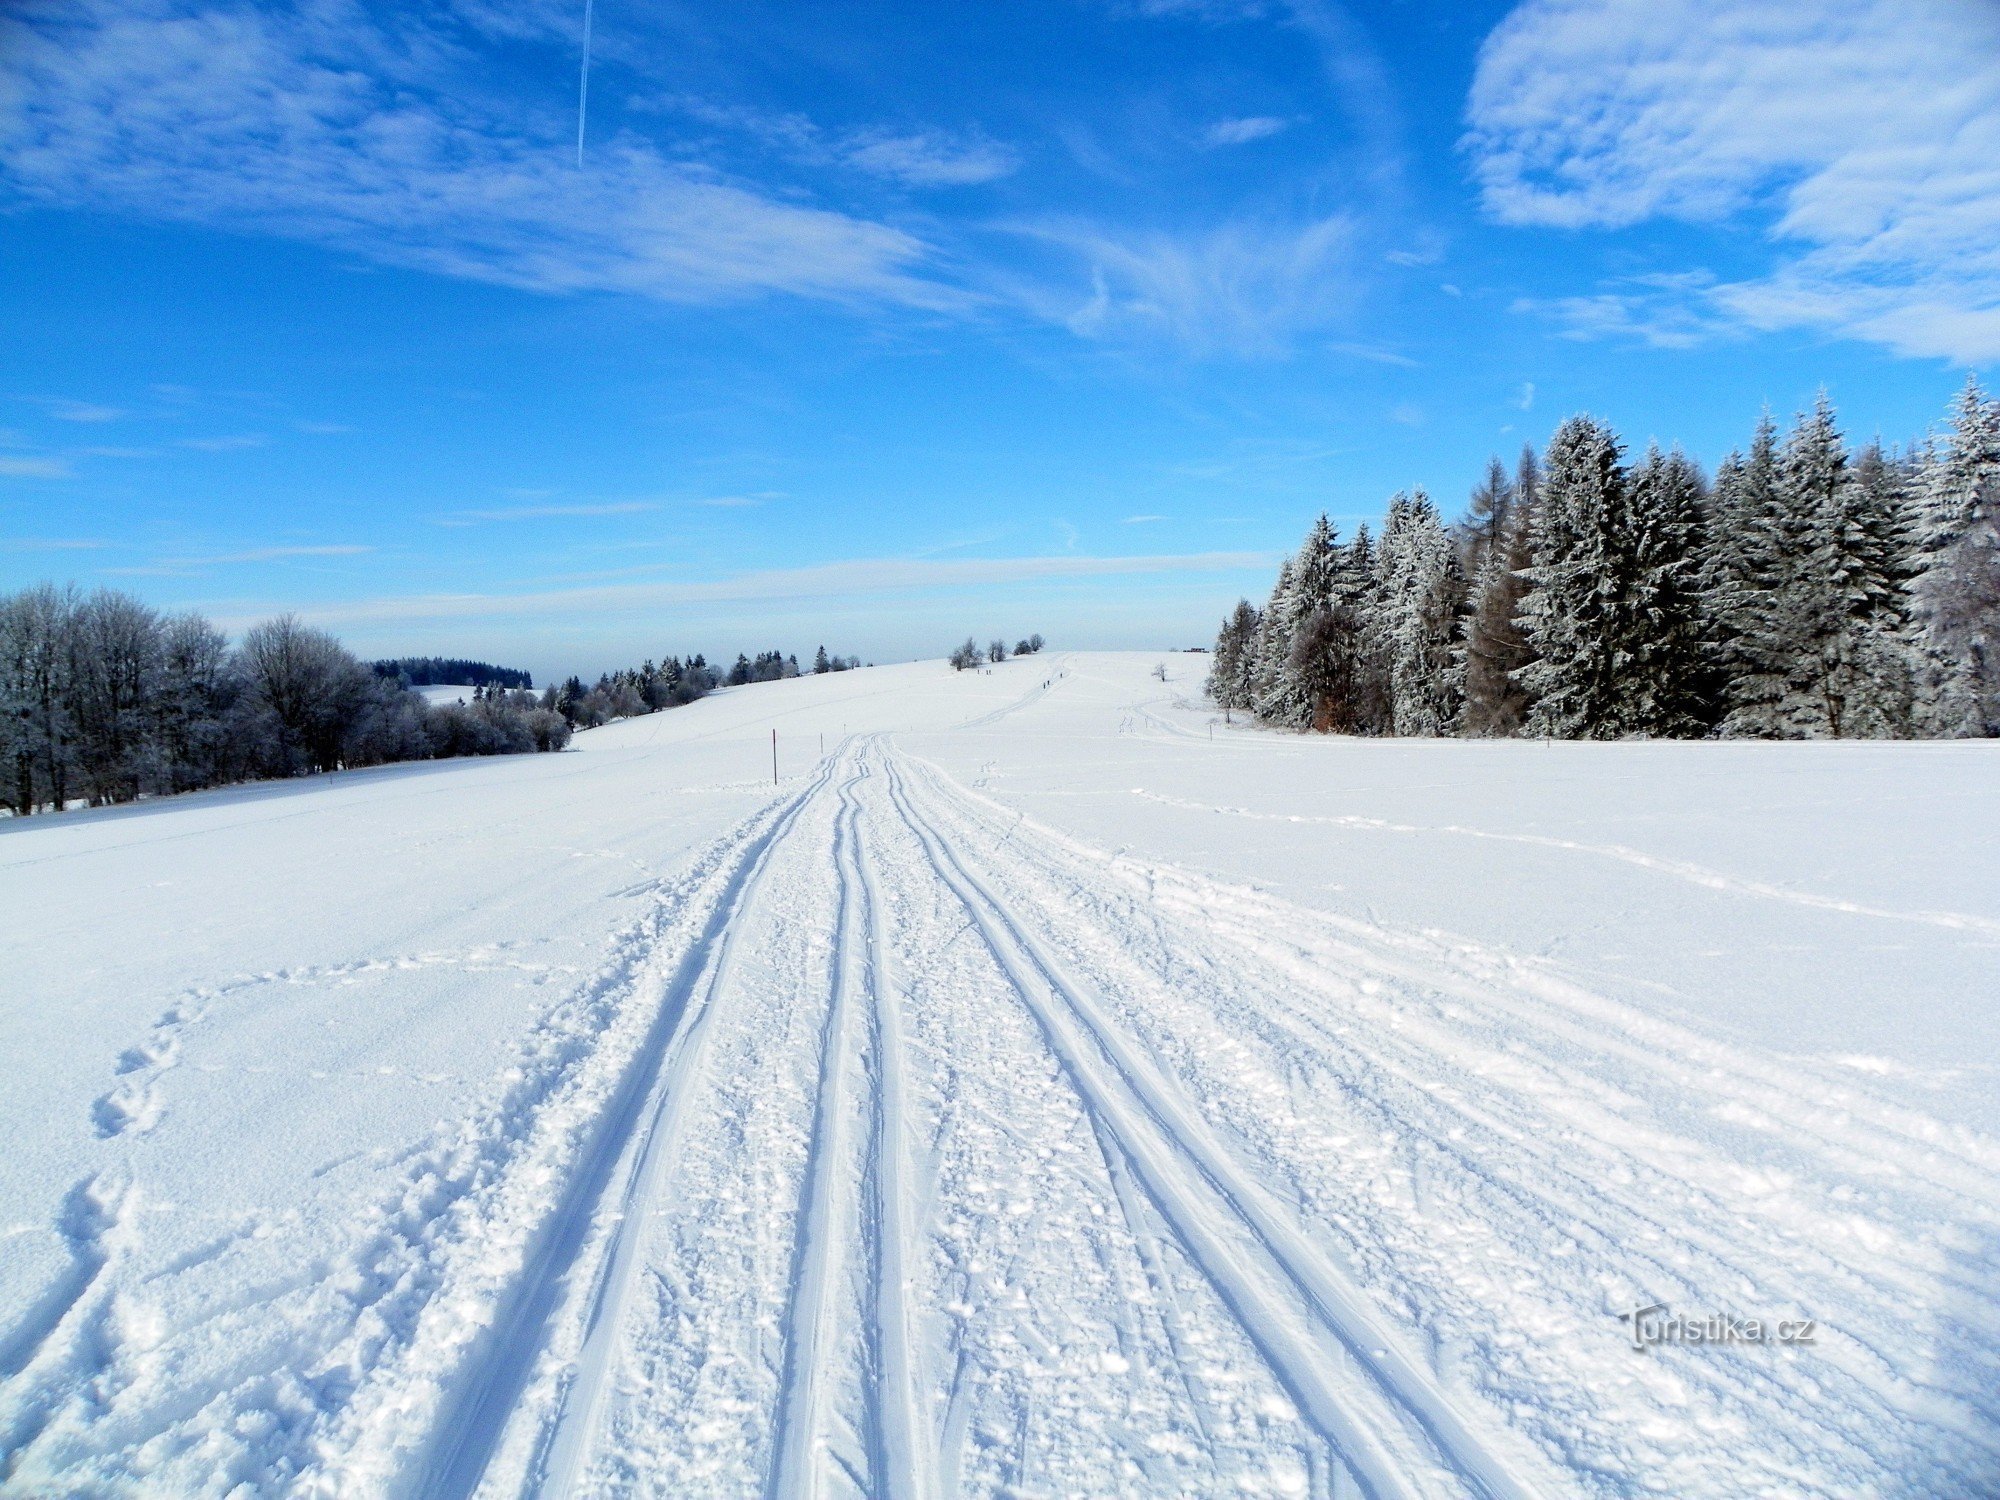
(879,324)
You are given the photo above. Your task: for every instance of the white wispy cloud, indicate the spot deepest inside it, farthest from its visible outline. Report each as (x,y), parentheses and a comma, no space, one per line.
(929,158)
(1142,520)
(52,544)
(182,567)
(546,512)
(1665,311)
(13,467)
(1241,132)
(1861,136)
(1246,288)
(81,411)
(925,157)
(232,443)
(861,577)
(306,120)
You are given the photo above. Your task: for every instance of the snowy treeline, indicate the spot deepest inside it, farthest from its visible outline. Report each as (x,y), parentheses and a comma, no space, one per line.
(824,663)
(103,699)
(452,671)
(630,692)
(969,654)
(1809,591)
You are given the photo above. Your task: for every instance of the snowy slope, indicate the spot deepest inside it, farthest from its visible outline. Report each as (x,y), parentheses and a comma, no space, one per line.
(444,692)
(1029,1094)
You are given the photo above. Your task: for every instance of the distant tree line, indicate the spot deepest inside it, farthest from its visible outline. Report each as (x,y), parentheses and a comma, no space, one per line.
(1808,591)
(647,689)
(452,671)
(104,699)
(970,655)
(630,693)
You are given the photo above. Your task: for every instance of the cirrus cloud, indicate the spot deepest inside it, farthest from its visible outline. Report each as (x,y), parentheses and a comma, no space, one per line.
(308,121)
(1880,194)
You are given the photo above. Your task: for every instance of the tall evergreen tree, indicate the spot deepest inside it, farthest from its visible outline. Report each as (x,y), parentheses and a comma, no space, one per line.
(1568,613)
(1281,692)
(1823,639)
(1486,525)
(1666,680)
(1420,591)
(1956,589)
(1496,651)
(1235,647)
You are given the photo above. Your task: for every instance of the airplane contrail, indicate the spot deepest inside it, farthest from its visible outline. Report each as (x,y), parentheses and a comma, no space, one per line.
(583,88)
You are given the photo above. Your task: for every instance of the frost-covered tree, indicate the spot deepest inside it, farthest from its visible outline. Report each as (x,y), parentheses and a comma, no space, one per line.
(1823,636)
(1666,682)
(1229,684)
(1281,696)
(114,669)
(1566,615)
(1419,591)
(35,661)
(1956,588)
(1742,564)
(306,689)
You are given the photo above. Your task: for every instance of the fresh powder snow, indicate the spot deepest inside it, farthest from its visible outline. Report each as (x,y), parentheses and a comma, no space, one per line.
(1042,1087)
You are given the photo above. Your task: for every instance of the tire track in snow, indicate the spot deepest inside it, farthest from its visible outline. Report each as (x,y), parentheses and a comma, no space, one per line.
(1381,1413)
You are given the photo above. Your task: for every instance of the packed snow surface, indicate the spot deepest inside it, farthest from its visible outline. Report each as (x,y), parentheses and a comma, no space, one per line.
(1042,1089)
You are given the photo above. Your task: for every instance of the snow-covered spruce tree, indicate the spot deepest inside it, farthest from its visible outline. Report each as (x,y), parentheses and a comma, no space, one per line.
(1495,651)
(1359,590)
(1567,615)
(1667,682)
(1741,566)
(1330,592)
(1316,568)
(1956,589)
(1229,673)
(1281,697)
(1824,639)
(1420,591)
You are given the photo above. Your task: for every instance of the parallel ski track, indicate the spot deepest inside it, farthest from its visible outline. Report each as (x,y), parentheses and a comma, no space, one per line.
(1381,1413)
(905,1443)
(621,1165)
(830,1210)
(1468,1126)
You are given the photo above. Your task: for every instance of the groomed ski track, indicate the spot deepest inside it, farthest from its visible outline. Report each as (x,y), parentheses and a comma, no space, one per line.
(907,1147)
(876,1316)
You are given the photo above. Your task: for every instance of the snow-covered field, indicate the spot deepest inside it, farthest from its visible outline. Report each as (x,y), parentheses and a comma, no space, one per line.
(445,692)
(1042,1091)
